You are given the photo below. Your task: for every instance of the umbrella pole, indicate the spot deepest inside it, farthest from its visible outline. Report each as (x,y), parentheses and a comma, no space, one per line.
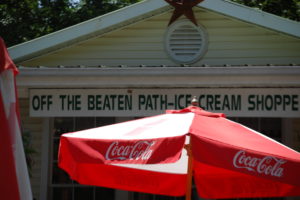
(188,147)
(189,183)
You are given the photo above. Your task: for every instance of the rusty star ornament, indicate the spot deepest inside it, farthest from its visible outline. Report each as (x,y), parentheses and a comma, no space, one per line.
(183,7)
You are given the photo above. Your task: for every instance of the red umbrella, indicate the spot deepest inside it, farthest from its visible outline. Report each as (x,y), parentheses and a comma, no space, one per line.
(14,182)
(226,159)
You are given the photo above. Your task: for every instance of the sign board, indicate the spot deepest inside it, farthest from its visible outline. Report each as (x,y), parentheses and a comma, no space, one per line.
(234,102)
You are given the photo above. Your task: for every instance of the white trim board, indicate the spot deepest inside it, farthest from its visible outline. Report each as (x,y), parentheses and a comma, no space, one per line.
(138,12)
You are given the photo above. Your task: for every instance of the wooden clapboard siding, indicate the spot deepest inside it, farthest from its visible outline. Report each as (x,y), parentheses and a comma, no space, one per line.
(231,42)
(34,126)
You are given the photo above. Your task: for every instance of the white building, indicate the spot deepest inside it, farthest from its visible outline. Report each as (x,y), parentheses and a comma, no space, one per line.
(130,63)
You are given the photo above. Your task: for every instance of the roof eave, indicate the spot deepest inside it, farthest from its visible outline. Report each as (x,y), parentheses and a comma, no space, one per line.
(253,16)
(163,77)
(137,12)
(85,30)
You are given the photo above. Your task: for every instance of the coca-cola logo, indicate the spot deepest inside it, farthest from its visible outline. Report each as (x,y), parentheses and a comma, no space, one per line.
(140,150)
(267,165)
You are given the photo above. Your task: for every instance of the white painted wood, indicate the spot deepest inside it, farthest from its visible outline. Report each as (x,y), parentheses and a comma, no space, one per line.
(87,29)
(35,127)
(162,77)
(45,158)
(140,40)
(219,16)
(231,42)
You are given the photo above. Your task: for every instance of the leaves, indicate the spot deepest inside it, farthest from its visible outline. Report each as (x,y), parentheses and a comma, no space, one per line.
(285,8)
(23,20)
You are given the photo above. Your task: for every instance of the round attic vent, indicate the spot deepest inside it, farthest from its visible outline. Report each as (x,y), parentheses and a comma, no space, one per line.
(185,42)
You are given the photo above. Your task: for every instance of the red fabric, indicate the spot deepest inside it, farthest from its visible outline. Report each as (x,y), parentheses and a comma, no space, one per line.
(122,178)
(230,160)
(228,144)
(132,179)
(128,151)
(8,181)
(5,61)
(215,182)
(240,162)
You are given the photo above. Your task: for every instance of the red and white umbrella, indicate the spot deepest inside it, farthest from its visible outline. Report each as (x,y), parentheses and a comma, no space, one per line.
(14,181)
(226,159)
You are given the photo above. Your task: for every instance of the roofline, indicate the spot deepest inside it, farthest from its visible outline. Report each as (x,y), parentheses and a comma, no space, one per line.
(162,77)
(140,11)
(254,16)
(159,71)
(87,29)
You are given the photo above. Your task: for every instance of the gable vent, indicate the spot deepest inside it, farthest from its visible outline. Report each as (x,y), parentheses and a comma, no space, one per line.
(185,43)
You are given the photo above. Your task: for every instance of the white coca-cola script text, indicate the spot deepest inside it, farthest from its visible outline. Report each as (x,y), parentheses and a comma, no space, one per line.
(267,165)
(140,150)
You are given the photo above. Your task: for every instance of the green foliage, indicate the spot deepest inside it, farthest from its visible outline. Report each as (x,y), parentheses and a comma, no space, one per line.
(23,20)
(93,8)
(18,20)
(284,8)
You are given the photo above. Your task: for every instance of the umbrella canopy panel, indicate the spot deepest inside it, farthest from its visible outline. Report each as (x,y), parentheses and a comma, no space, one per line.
(241,162)
(147,155)
(150,140)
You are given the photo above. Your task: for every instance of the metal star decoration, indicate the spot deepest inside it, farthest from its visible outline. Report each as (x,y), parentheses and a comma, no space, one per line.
(183,7)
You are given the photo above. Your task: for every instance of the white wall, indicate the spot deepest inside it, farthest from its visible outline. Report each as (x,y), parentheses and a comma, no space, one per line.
(35,127)
(231,42)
